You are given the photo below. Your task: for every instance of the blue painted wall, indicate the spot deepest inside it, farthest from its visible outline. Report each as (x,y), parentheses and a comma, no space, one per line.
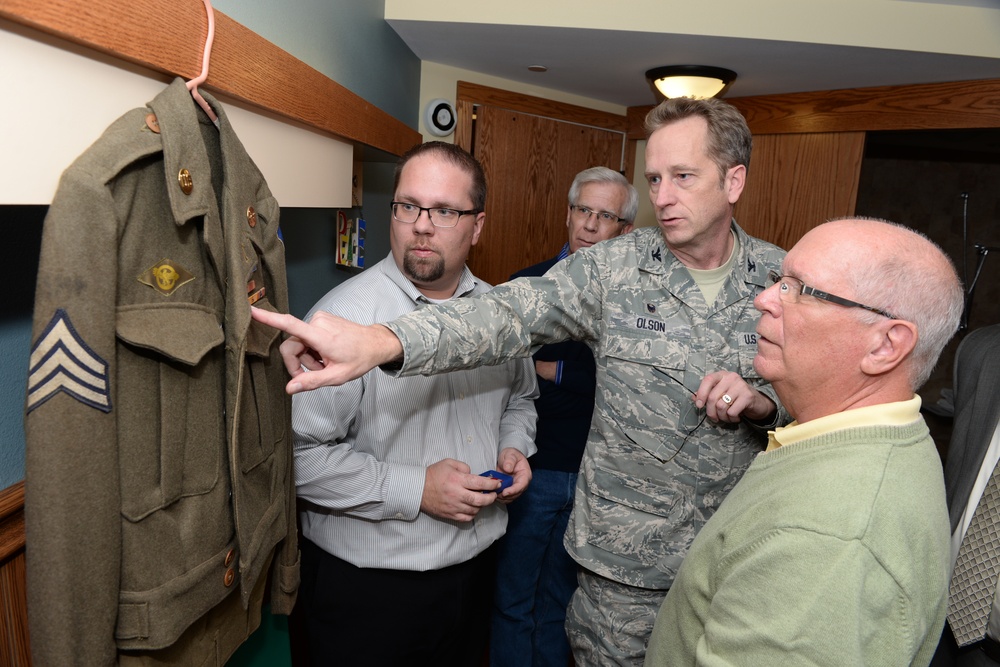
(22,227)
(347,40)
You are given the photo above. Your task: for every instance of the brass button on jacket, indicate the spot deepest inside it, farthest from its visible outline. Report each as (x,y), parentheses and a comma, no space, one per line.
(184,179)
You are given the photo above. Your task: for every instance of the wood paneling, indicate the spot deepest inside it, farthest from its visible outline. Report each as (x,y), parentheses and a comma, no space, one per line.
(797,181)
(925,107)
(170,36)
(11,521)
(931,106)
(530,162)
(539,106)
(463,131)
(531,148)
(13,599)
(636,120)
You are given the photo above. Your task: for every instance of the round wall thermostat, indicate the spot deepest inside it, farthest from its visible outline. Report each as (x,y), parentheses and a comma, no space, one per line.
(440,118)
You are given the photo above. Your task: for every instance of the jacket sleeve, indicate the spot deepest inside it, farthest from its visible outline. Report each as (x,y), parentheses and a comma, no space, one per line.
(331,473)
(517,425)
(72,504)
(512,320)
(285,570)
(285,580)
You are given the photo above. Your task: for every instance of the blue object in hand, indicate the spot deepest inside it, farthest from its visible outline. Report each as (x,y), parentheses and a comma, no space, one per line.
(505,479)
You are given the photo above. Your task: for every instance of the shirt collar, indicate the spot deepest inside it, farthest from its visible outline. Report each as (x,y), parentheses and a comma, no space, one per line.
(564,253)
(467,283)
(884,414)
(656,257)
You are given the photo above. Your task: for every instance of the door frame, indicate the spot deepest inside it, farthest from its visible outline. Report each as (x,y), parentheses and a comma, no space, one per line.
(469,95)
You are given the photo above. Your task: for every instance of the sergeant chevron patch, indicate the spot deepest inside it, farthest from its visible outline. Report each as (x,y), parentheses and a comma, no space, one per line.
(61,361)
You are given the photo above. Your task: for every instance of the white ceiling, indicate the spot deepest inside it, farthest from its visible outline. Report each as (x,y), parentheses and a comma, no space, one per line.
(807,49)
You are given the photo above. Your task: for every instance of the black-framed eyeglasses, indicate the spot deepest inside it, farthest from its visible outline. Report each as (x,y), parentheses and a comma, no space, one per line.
(690,419)
(790,289)
(602,216)
(438,215)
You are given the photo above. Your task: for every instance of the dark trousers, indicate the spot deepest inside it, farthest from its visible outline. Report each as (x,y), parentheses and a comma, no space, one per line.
(984,654)
(368,617)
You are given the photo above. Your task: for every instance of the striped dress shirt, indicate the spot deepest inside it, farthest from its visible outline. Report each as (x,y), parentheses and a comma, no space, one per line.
(361,449)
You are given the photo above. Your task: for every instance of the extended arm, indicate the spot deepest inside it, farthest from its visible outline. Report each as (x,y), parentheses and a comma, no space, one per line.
(333,350)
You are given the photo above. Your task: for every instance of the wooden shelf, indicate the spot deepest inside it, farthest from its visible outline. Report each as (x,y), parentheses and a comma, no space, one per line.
(168,37)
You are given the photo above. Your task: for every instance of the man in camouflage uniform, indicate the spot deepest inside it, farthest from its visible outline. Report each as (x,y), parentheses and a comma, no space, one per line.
(669,315)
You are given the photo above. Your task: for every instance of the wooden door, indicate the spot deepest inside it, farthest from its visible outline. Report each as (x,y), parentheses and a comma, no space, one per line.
(530,162)
(797,181)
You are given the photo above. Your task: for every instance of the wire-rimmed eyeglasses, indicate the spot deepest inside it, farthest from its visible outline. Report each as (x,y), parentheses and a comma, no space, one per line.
(438,215)
(691,417)
(790,289)
(602,216)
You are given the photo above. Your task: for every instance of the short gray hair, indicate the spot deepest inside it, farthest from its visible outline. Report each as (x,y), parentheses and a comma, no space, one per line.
(915,281)
(605,175)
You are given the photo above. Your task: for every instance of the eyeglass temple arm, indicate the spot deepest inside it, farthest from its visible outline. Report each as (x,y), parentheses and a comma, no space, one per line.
(832,298)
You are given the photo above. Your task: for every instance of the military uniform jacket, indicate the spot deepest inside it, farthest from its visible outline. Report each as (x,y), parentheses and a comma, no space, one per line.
(159,476)
(653,472)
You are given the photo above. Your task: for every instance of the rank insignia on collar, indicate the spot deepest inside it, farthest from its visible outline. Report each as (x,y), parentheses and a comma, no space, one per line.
(62,362)
(165,276)
(657,256)
(751,265)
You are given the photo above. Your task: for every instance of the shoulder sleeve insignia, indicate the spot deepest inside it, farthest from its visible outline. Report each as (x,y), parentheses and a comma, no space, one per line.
(165,276)
(61,361)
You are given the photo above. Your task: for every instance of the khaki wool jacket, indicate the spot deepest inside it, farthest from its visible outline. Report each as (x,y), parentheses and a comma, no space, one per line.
(158,485)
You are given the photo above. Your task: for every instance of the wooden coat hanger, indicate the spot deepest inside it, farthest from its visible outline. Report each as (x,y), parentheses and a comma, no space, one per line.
(193,84)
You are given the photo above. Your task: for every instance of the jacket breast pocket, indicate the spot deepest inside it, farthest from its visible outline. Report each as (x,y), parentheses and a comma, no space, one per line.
(170,398)
(654,381)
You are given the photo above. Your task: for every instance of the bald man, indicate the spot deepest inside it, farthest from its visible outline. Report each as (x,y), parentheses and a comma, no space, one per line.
(834,548)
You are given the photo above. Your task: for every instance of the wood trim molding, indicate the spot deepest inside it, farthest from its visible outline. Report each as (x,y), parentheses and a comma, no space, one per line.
(468,95)
(11,521)
(637,122)
(931,106)
(505,99)
(169,37)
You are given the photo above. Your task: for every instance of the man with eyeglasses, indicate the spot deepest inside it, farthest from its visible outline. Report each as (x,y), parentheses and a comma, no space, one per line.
(535,575)
(667,311)
(397,523)
(834,548)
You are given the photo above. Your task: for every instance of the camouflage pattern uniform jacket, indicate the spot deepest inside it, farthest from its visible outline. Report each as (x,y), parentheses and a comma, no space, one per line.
(158,459)
(653,471)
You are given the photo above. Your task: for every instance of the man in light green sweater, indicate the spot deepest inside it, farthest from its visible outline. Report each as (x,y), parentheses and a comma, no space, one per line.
(834,548)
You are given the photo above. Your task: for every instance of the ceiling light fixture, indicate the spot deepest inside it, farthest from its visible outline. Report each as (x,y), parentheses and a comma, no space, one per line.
(700,81)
